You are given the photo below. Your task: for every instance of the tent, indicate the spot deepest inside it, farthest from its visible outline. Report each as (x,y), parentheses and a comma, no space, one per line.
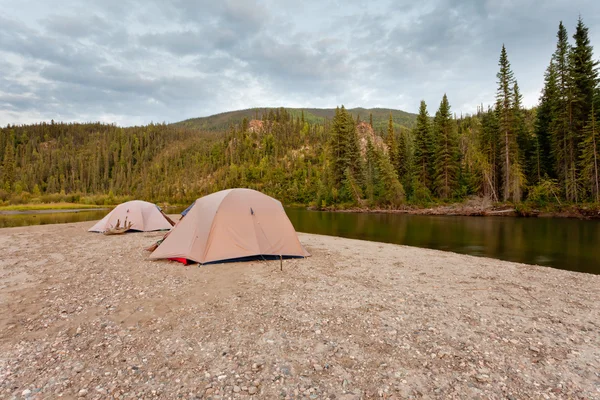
(231,224)
(142,216)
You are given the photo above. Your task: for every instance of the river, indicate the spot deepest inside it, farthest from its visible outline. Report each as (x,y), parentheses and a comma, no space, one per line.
(569,244)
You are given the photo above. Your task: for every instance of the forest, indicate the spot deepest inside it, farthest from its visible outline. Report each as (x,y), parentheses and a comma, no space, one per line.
(544,156)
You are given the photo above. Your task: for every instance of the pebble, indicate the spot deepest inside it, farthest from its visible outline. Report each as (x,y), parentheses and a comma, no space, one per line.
(534,349)
(82,393)
(26,392)
(482,378)
(252,390)
(78,367)
(318,368)
(236,389)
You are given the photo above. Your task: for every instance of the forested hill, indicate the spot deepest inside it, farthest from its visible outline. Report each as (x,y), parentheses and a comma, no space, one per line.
(224,121)
(546,155)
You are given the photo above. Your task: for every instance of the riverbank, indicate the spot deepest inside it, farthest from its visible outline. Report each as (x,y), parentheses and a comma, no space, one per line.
(49,207)
(87,315)
(481,208)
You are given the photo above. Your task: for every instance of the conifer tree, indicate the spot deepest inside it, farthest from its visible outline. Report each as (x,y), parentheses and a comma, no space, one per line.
(562,129)
(371,173)
(344,145)
(525,167)
(584,79)
(446,154)
(584,76)
(423,152)
(8,167)
(403,155)
(371,120)
(590,157)
(546,114)
(390,141)
(511,170)
(391,191)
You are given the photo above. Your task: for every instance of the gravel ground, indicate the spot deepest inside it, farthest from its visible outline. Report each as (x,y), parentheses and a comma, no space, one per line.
(86,315)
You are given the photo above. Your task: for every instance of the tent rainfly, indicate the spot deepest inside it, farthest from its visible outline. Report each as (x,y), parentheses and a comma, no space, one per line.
(231,224)
(141,215)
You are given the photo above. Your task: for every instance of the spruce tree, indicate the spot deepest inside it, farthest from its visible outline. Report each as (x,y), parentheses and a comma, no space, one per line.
(584,76)
(338,146)
(403,155)
(511,169)
(371,172)
(525,167)
(8,167)
(546,114)
(423,152)
(390,141)
(562,122)
(590,157)
(446,154)
(391,191)
(584,79)
(345,147)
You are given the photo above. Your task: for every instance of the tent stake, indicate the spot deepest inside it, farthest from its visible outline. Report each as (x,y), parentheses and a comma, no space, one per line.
(281,262)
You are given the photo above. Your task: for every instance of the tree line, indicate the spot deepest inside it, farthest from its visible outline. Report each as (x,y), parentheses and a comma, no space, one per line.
(548,154)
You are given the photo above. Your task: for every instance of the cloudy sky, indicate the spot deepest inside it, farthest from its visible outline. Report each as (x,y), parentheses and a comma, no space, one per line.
(136,61)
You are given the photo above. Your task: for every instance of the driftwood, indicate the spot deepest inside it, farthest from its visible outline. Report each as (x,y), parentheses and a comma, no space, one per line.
(118,229)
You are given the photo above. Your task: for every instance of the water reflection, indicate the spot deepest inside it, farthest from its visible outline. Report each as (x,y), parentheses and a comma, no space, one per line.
(45,218)
(561,243)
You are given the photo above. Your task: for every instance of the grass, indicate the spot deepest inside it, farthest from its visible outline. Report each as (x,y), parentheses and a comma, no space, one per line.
(47,206)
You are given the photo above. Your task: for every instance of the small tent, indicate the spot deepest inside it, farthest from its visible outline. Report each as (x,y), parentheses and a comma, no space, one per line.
(232,224)
(141,215)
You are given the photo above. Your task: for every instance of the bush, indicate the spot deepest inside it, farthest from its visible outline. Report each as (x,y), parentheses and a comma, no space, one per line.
(544,193)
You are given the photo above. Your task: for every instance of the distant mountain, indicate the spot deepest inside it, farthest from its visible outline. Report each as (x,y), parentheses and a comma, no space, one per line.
(223,121)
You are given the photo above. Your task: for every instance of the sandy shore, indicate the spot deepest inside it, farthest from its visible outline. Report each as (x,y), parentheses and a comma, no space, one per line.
(87,315)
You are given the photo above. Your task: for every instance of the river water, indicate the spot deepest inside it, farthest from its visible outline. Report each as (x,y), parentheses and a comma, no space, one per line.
(569,244)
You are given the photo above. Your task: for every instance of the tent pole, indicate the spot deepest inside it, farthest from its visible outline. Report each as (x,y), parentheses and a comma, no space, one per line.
(281,262)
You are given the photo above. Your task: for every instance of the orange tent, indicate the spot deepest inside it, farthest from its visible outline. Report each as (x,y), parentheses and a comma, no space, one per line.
(142,215)
(232,224)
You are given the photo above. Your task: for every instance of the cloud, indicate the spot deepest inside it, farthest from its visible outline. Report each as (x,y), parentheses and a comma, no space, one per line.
(139,61)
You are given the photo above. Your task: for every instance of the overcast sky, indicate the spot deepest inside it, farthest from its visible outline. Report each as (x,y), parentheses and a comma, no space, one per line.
(136,61)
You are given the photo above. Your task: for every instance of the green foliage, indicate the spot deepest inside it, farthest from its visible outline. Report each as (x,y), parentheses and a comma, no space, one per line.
(315,156)
(446,163)
(509,122)
(543,125)
(590,157)
(423,153)
(544,193)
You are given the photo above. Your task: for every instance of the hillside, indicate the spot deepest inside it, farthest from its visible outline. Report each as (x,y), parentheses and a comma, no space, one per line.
(223,121)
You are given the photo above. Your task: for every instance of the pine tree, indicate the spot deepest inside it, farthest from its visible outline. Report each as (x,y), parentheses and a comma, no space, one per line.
(390,141)
(371,172)
(584,79)
(423,152)
(446,154)
(584,76)
(546,114)
(562,122)
(590,157)
(371,120)
(403,155)
(345,147)
(525,166)
(511,170)
(8,167)
(391,191)
(490,147)
(338,146)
